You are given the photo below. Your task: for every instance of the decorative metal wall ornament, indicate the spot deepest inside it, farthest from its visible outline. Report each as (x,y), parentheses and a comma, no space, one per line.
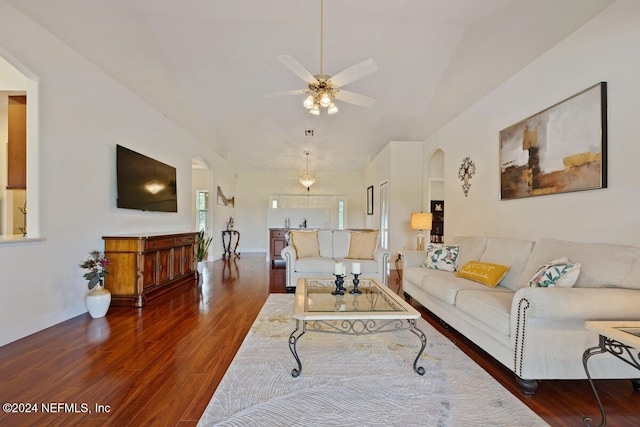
(466,171)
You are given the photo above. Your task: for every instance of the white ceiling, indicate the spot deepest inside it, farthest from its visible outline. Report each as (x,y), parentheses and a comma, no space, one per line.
(206,63)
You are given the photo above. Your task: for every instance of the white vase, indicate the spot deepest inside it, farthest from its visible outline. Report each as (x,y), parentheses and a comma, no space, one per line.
(200,270)
(98,300)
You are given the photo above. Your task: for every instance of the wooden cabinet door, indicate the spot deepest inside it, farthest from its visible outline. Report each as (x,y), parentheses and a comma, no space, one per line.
(188,257)
(150,269)
(182,260)
(164,265)
(178,262)
(277,245)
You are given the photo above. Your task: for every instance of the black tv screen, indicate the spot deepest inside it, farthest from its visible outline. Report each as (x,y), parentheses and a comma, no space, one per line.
(144,183)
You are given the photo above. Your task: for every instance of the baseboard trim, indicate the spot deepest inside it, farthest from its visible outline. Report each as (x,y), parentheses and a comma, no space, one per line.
(43,322)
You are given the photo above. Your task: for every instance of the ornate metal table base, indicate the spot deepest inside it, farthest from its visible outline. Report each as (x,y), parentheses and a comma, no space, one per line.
(226,245)
(622,352)
(354,327)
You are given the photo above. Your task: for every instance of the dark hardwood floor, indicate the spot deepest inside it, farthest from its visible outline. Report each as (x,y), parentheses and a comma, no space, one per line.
(160,365)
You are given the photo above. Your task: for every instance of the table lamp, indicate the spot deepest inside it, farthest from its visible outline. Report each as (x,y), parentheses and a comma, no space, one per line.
(421,221)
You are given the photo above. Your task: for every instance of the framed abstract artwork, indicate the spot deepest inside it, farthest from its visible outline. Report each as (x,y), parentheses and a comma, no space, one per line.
(370,200)
(558,150)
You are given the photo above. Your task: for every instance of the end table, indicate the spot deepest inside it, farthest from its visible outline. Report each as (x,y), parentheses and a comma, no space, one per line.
(620,338)
(227,237)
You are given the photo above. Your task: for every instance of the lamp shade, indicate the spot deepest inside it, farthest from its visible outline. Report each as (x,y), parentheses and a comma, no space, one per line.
(421,220)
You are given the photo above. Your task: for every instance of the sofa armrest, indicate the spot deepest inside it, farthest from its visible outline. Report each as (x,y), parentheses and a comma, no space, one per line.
(413,258)
(547,326)
(569,308)
(577,303)
(288,254)
(381,256)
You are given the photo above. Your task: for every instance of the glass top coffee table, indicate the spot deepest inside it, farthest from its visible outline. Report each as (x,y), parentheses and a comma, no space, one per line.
(375,309)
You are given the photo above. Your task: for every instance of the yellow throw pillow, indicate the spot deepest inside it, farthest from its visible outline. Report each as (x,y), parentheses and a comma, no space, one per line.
(362,244)
(483,272)
(305,243)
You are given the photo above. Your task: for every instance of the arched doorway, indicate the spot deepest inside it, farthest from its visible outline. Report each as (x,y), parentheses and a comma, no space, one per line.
(436,195)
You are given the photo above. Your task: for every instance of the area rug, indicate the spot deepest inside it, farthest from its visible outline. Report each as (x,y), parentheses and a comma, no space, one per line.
(365,380)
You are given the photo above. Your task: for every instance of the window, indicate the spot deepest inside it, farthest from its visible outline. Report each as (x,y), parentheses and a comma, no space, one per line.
(342,213)
(202,203)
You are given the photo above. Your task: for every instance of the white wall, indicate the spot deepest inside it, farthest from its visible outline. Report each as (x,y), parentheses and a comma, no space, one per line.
(400,164)
(83,115)
(604,49)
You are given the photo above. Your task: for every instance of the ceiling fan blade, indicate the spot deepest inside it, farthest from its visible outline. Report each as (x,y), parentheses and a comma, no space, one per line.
(285,93)
(297,68)
(354,72)
(354,98)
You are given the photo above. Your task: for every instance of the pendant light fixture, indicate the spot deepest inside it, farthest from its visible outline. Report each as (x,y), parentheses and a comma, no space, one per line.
(306,179)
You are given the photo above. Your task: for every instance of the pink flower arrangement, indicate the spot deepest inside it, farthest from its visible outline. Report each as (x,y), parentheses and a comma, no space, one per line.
(97,265)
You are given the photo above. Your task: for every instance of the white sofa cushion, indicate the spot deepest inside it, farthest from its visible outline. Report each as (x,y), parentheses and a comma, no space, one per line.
(341,243)
(471,248)
(602,264)
(445,286)
(510,252)
(491,308)
(414,274)
(366,266)
(632,279)
(315,265)
(325,240)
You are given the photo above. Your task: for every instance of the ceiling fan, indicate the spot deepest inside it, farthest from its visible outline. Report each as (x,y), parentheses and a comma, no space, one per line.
(323,89)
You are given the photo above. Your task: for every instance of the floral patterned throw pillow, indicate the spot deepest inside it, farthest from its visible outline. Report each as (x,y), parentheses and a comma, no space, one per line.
(558,273)
(441,257)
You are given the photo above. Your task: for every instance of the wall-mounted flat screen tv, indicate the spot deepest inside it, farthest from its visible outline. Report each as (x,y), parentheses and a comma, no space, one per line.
(144,183)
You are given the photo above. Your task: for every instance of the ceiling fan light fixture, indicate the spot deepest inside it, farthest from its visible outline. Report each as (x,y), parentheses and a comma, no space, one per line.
(322,88)
(308,102)
(325,100)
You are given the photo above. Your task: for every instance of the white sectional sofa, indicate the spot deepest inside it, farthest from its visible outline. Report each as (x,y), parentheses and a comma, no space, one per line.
(537,332)
(333,246)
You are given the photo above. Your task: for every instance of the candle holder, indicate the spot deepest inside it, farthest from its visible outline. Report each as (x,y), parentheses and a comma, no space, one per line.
(339,282)
(355,289)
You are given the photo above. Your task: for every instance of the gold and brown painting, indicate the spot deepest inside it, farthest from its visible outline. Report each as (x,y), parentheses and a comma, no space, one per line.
(558,150)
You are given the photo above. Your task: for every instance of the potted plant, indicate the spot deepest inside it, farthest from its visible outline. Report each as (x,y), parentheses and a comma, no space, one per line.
(203,247)
(98,298)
